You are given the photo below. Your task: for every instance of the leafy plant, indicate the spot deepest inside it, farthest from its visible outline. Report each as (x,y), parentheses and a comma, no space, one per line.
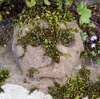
(59,3)
(84,13)
(84,36)
(1,1)
(63,3)
(4,74)
(47,2)
(90,25)
(1,17)
(30,3)
(68,3)
(98,61)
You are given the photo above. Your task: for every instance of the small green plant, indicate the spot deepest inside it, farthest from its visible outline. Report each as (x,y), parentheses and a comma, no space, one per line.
(4,74)
(98,61)
(90,25)
(76,87)
(84,13)
(59,3)
(24,80)
(31,72)
(32,90)
(84,36)
(1,1)
(1,17)
(90,36)
(31,3)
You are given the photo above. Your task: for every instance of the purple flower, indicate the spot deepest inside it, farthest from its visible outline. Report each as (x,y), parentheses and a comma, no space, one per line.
(93,45)
(93,37)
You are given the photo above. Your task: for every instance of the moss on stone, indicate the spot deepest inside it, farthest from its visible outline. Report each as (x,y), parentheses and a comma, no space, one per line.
(32,90)
(31,72)
(4,74)
(47,37)
(78,86)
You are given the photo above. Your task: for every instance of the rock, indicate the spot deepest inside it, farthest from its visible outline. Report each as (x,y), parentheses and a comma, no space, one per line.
(26,28)
(62,48)
(34,58)
(13,91)
(44,66)
(43,24)
(94,71)
(19,51)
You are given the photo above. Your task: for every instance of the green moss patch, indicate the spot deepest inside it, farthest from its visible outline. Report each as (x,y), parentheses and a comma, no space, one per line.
(4,74)
(76,87)
(47,37)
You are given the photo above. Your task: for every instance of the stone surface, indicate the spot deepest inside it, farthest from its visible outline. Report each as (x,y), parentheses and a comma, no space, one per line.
(95,71)
(13,91)
(34,58)
(19,51)
(45,68)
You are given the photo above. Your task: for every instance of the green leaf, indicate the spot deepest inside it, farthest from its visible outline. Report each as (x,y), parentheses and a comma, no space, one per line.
(81,7)
(30,3)
(93,53)
(46,2)
(85,15)
(92,25)
(68,3)
(98,51)
(56,0)
(84,12)
(98,61)
(84,36)
(59,6)
(2,1)
(1,17)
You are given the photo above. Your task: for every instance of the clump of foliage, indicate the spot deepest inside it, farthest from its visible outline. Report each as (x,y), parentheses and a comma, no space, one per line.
(84,12)
(4,74)
(32,90)
(59,3)
(91,36)
(31,72)
(47,37)
(76,87)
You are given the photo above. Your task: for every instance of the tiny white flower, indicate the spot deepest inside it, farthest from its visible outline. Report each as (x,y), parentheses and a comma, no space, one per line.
(93,45)
(93,37)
